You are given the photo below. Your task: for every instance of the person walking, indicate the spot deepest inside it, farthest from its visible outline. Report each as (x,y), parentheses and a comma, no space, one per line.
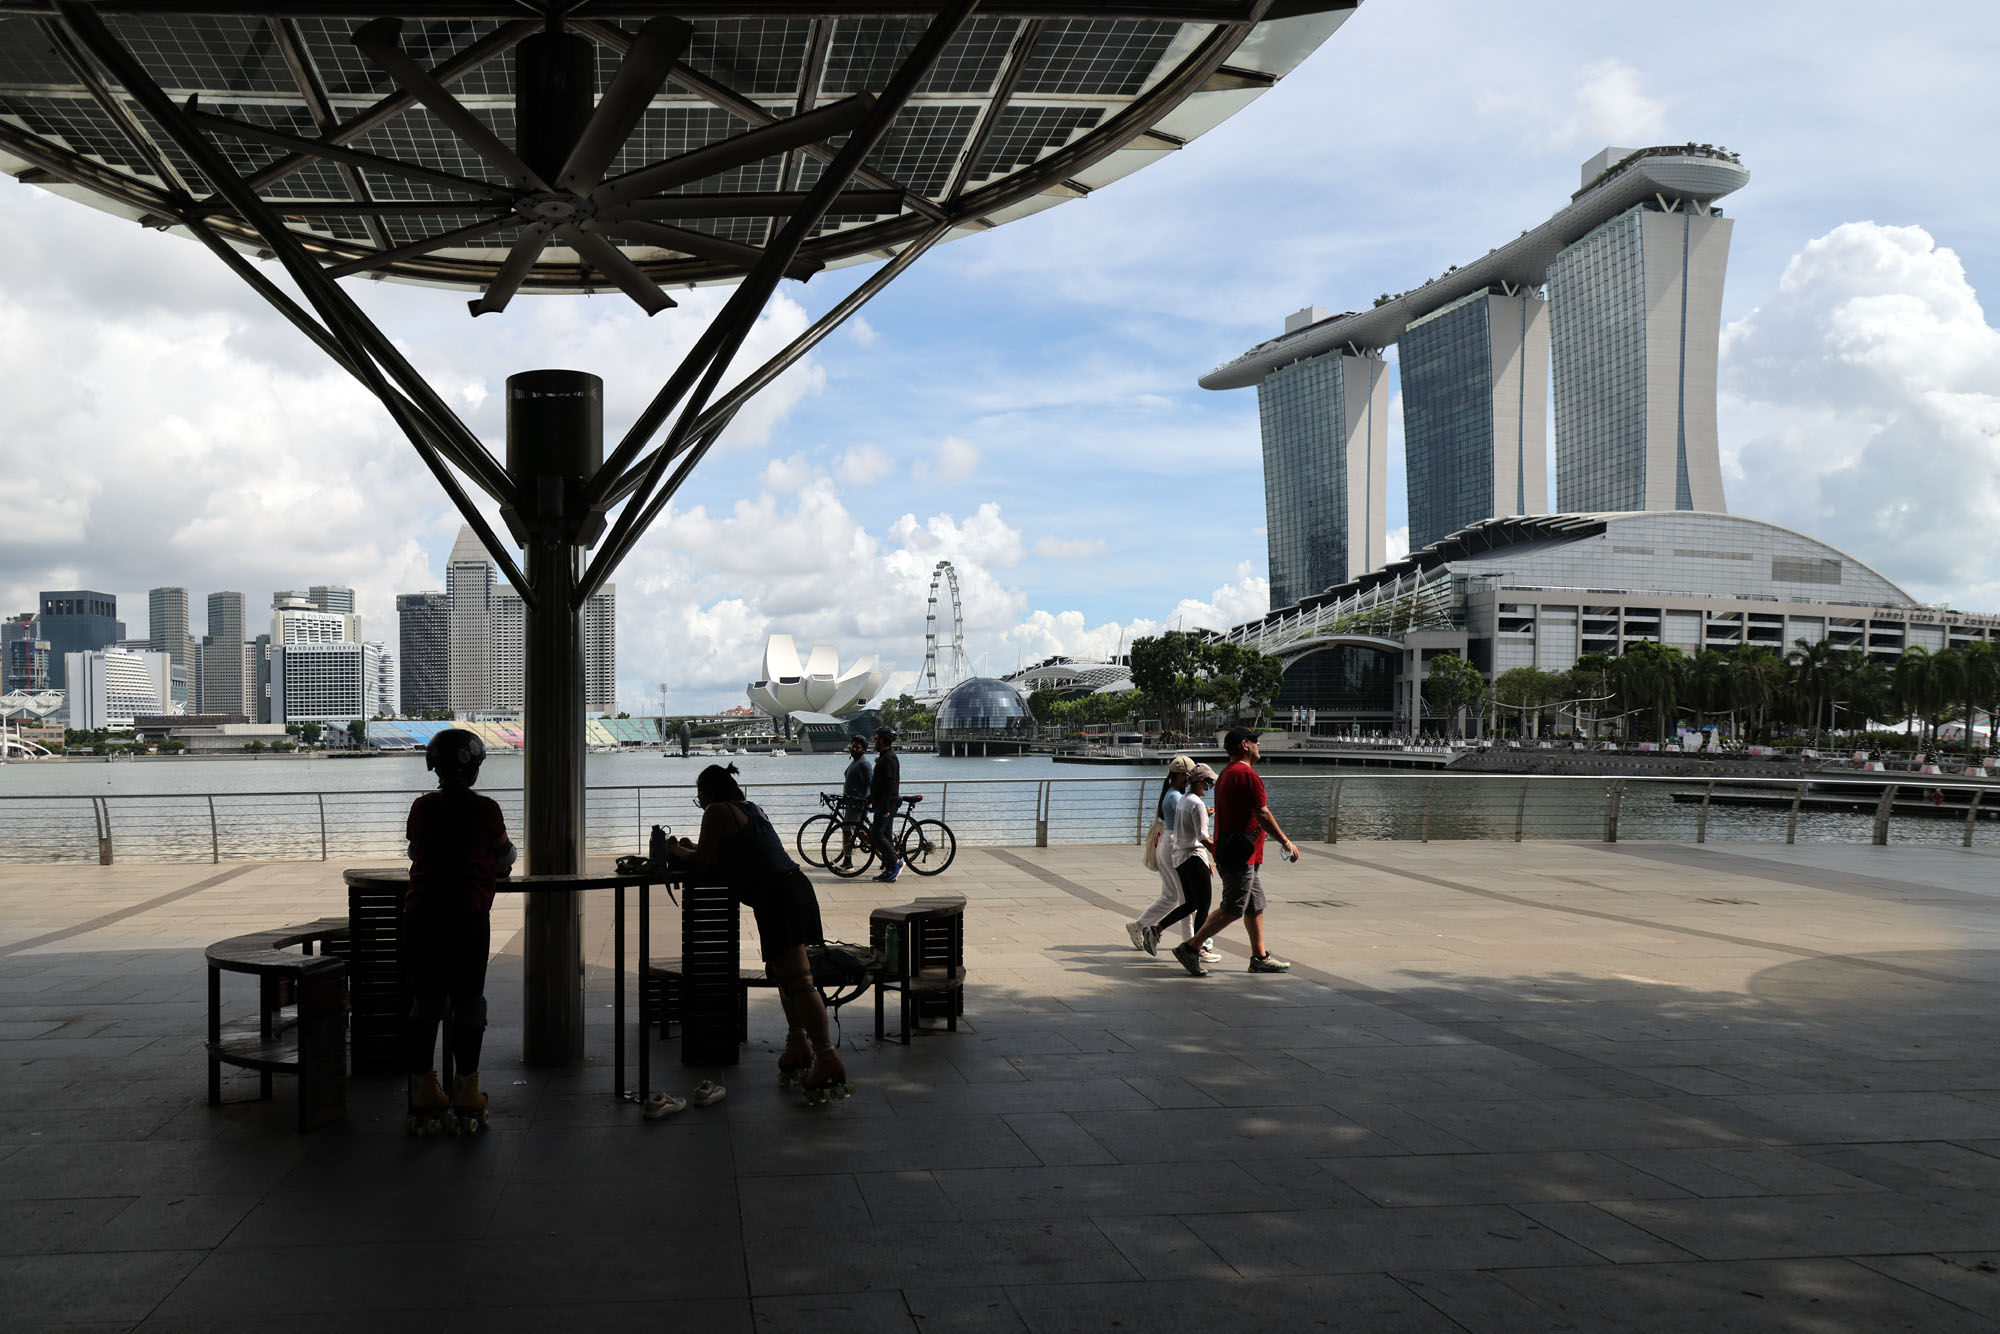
(1141,929)
(1242,818)
(1193,856)
(885,794)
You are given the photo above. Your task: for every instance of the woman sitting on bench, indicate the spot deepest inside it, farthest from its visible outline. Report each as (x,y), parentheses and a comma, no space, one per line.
(739,844)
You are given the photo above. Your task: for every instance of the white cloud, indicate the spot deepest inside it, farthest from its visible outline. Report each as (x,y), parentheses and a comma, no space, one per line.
(957,459)
(1068,548)
(1398,544)
(1869,390)
(1611,108)
(864,465)
(787,474)
(861,331)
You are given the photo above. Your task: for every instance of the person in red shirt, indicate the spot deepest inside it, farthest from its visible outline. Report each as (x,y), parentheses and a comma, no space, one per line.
(459,852)
(1242,818)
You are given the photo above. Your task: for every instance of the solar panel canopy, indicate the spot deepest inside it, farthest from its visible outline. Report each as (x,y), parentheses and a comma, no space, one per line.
(495,148)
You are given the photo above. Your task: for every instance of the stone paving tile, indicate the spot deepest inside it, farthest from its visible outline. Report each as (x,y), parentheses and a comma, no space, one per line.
(116,1288)
(1358,1241)
(1736,1298)
(1497,1178)
(982,1252)
(1784,1226)
(1970,1279)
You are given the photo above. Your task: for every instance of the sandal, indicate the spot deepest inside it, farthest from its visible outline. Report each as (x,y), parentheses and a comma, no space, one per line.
(663,1104)
(708,1093)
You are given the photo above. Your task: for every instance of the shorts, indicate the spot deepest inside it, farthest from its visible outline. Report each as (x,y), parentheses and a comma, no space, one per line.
(787,913)
(1243,891)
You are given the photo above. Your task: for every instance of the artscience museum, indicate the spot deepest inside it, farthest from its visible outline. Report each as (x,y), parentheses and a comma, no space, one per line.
(816,685)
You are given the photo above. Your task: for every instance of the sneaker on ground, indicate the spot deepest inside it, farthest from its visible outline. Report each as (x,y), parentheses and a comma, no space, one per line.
(1209,954)
(1149,940)
(1208,946)
(889,876)
(1138,934)
(1189,959)
(1268,963)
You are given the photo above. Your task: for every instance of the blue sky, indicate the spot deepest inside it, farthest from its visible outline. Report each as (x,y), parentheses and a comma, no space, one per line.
(1023,403)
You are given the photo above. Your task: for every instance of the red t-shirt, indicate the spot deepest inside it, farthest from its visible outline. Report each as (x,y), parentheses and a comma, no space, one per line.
(1239,795)
(456,839)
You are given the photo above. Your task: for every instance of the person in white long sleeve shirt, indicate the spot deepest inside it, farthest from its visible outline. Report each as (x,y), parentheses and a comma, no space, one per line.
(1193,851)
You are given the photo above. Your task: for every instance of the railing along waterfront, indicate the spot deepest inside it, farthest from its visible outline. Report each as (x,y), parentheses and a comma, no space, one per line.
(1427,807)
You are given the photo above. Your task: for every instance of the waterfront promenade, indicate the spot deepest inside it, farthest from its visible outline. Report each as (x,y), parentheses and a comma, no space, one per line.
(1543,1086)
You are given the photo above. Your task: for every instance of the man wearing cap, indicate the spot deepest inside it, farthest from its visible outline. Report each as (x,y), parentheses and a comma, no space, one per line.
(1242,817)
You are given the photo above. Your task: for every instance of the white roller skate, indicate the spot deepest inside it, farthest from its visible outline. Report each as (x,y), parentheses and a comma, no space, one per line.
(827,1080)
(468,1105)
(428,1110)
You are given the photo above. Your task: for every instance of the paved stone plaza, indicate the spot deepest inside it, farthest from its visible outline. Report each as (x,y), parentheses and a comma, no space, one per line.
(1535,1087)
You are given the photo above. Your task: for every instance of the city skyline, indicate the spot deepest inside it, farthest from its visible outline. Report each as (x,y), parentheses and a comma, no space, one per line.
(1852,390)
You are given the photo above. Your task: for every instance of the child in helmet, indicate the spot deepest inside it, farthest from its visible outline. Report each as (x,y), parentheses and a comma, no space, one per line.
(459,851)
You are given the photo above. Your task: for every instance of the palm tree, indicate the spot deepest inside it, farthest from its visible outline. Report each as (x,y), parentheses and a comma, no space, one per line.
(1650,677)
(1756,676)
(1979,668)
(1813,664)
(1708,684)
(1917,676)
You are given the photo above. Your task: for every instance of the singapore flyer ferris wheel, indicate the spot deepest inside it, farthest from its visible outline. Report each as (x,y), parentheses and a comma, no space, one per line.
(949,578)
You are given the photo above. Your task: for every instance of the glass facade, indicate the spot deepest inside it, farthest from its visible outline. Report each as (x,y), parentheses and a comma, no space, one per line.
(1302,411)
(1448,447)
(77,621)
(984,706)
(1344,680)
(1597,319)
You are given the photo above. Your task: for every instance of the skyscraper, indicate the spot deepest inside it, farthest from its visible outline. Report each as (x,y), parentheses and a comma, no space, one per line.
(509,650)
(468,582)
(1631,272)
(332,597)
(167,626)
(76,620)
(24,654)
(1475,414)
(424,621)
(227,679)
(297,621)
(1636,317)
(1325,424)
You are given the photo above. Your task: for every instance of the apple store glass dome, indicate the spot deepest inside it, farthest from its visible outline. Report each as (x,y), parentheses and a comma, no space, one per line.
(984,706)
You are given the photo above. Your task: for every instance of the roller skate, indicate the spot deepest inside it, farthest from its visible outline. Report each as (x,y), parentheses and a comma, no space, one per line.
(795,1060)
(827,1080)
(468,1105)
(428,1108)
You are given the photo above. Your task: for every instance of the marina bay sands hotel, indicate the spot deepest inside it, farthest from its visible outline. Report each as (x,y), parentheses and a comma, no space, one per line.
(1619,295)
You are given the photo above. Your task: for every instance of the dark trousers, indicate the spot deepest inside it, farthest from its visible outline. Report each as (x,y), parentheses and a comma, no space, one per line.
(1197,890)
(883,831)
(444,977)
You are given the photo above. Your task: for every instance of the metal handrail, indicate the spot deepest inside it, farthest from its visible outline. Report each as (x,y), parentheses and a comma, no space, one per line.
(310,823)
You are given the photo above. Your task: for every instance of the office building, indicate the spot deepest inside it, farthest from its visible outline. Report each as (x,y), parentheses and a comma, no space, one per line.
(260,689)
(109,688)
(424,624)
(24,655)
(468,583)
(388,691)
(507,659)
(77,621)
(227,678)
(1631,271)
(332,597)
(331,683)
(1475,412)
(1325,424)
(167,629)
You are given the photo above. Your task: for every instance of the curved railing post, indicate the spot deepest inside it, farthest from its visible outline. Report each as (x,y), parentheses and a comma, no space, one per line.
(1042,815)
(101,808)
(321,797)
(1792,818)
(1883,809)
(1972,814)
(1424,834)
(214,840)
(1333,811)
(1521,811)
(1701,823)
(1613,799)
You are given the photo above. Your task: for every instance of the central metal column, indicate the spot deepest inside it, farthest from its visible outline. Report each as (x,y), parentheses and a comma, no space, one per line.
(555,444)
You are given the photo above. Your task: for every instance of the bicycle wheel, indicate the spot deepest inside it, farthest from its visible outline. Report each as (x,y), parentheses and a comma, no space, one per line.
(860,856)
(928,846)
(811,834)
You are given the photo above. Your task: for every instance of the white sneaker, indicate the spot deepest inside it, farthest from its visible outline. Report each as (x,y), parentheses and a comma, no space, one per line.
(1138,934)
(1210,954)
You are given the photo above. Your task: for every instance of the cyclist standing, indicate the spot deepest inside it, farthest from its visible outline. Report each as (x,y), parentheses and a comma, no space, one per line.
(853,792)
(885,794)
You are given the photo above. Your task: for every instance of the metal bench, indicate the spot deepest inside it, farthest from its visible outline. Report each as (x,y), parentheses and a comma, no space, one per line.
(922,946)
(301,1023)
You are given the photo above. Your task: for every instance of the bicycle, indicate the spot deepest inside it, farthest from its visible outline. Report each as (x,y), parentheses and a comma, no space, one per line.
(927,846)
(812,833)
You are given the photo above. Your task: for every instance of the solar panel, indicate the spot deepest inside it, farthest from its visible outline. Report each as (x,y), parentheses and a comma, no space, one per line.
(344,110)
